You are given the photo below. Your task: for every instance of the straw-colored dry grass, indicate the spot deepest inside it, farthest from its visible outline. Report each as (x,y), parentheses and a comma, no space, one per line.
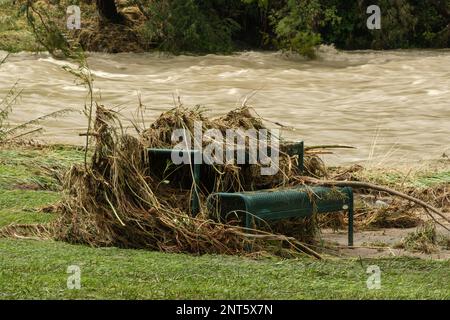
(424,239)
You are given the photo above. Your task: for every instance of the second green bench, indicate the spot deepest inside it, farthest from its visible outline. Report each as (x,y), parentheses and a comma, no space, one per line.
(265,205)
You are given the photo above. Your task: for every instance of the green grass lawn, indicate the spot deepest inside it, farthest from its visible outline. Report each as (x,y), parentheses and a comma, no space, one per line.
(37,269)
(32,269)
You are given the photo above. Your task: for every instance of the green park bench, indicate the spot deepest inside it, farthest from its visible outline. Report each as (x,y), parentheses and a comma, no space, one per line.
(164,155)
(262,205)
(276,204)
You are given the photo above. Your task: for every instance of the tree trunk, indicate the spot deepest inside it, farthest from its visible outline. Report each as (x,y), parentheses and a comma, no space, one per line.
(108,11)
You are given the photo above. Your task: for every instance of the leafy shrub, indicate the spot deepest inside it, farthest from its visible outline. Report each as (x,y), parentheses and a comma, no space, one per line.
(187,26)
(298,24)
(404,24)
(221,26)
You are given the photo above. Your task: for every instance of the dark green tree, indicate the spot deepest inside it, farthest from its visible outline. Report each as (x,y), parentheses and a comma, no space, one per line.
(107,11)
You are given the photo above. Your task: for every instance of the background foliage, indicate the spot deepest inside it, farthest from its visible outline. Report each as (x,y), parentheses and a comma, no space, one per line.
(223,26)
(295,25)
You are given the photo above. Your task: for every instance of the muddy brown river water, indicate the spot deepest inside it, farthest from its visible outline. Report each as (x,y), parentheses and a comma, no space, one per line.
(393,106)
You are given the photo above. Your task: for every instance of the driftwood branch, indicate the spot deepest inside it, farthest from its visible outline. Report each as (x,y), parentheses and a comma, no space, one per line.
(329,146)
(365,185)
(90,134)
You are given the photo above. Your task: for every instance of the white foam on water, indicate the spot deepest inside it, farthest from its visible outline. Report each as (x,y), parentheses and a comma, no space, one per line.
(417,82)
(97,73)
(233,74)
(435,92)
(61,63)
(74,88)
(109,75)
(233,91)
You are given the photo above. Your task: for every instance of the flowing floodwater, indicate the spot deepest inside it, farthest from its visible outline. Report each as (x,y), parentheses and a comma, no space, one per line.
(391,105)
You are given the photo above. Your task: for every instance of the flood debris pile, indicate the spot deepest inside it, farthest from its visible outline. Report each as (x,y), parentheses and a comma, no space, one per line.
(425,239)
(125,196)
(116,199)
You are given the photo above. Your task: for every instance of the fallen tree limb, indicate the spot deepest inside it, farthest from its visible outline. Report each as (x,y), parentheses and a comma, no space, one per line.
(366,185)
(329,146)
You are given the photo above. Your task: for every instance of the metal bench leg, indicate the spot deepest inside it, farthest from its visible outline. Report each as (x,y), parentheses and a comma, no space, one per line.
(350,221)
(196,197)
(248,224)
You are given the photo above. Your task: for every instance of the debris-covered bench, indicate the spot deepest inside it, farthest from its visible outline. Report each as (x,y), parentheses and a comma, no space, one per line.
(258,206)
(164,155)
(160,157)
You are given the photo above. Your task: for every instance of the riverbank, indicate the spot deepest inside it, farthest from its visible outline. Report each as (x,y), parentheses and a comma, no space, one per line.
(30,183)
(15,34)
(202,28)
